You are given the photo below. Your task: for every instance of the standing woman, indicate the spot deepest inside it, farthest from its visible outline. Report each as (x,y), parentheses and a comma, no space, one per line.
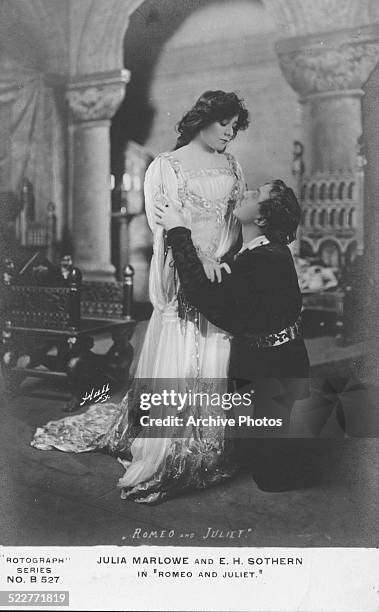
(182,351)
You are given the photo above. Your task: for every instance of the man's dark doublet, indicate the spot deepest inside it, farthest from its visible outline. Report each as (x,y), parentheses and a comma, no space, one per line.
(260,296)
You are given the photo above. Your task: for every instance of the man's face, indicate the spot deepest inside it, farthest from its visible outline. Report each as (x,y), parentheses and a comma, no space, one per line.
(249,211)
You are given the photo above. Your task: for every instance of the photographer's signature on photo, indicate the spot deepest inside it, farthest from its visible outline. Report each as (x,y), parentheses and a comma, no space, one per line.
(98,396)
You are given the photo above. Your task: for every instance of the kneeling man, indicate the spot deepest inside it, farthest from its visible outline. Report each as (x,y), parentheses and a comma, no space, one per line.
(258,301)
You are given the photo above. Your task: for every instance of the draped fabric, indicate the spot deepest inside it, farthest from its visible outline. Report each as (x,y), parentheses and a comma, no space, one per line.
(29,126)
(181,350)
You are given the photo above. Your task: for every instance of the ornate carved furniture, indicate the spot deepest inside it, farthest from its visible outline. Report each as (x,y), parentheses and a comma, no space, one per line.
(50,321)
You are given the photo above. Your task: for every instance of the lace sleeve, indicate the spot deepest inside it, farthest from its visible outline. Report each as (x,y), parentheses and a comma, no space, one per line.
(212,299)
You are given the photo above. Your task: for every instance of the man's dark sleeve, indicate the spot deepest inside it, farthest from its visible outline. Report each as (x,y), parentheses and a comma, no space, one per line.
(213,300)
(235,304)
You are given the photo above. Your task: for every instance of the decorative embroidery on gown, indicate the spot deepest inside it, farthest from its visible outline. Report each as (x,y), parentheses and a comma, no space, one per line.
(181,351)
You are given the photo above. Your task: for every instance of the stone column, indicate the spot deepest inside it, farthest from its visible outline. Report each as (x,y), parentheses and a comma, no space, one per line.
(328,71)
(93,100)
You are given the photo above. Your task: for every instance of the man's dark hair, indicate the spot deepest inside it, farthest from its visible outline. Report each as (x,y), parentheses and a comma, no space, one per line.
(212,106)
(281,213)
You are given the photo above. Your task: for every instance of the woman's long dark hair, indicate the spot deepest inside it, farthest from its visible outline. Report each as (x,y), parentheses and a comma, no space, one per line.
(212,106)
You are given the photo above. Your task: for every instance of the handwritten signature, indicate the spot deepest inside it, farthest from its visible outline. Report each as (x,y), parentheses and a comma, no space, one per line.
(97,397)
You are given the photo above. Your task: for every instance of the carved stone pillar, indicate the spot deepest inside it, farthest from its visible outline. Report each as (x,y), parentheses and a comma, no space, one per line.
(93,100)
(328,71)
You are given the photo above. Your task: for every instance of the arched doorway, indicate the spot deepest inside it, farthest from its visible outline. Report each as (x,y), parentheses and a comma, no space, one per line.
(175,50)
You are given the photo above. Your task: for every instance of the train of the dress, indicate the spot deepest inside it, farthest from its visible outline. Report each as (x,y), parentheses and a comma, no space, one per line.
(155,467)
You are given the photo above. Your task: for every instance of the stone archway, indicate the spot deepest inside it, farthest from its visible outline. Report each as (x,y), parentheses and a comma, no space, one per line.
(98,38)
(98,41)
(96,28)
(98,44)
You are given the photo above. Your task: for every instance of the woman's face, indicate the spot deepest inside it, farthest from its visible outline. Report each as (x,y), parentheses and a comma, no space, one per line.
(217,135)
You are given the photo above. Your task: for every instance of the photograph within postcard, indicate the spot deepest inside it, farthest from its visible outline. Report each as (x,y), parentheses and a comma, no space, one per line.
(189,301)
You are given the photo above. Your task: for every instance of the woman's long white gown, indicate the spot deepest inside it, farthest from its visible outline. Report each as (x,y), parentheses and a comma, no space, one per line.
(182,351)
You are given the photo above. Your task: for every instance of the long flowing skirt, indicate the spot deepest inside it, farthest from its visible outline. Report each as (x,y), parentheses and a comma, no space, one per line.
(160,462)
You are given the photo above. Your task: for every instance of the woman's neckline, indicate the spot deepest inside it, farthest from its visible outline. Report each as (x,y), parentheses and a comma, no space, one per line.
(208,172)
(203,171)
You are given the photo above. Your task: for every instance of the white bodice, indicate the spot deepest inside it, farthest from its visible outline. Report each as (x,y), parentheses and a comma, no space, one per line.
(207,198)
